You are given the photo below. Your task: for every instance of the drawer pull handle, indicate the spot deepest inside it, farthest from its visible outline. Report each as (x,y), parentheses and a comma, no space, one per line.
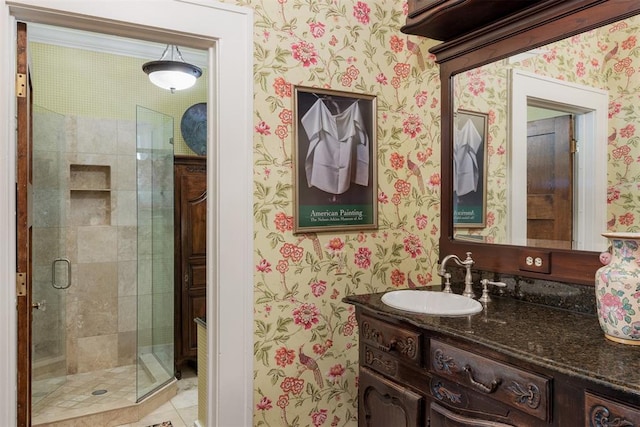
(477,384)
(387,348)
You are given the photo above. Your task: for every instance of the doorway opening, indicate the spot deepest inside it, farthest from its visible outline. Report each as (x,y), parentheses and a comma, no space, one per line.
(229,273)
(589,107)
(550,183)
(103,227)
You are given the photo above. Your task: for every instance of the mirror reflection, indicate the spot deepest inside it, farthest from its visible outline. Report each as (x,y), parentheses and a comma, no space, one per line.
(546,152)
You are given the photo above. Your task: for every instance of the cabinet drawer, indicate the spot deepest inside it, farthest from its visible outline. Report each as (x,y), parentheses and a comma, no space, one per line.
(397,341)
(604,412)
(478,408)
(380,361)
(442,417)
(525,391)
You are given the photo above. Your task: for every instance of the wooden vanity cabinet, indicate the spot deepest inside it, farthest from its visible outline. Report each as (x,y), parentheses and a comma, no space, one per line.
(412,377)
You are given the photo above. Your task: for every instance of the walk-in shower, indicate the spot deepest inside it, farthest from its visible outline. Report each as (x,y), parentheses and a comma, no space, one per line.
(102,264)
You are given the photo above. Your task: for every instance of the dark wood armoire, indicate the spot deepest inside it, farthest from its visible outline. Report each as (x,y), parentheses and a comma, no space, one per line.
(190,181)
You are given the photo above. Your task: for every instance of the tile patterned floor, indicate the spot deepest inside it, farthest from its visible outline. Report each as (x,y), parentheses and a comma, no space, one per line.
(74,397)
(182,410)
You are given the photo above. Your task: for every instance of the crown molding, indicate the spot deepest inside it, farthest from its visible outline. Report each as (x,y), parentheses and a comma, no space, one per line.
(104,43)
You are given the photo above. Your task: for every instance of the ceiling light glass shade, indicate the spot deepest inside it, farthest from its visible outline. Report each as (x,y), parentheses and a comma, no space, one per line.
(172,75)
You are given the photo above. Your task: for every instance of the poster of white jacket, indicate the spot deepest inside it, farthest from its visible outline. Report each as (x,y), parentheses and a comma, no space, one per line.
(469,174)
(334,160)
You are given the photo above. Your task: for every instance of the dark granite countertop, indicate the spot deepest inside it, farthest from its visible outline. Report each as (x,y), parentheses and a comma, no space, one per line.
(565,341)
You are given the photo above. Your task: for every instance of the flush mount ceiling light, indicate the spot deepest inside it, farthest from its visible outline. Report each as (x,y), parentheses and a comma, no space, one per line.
(172,74)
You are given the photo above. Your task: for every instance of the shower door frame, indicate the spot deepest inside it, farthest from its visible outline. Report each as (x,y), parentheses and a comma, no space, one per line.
(155,207)
(51,266)
(230,160)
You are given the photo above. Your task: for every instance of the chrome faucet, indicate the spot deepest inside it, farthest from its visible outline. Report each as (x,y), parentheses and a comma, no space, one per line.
(467,264)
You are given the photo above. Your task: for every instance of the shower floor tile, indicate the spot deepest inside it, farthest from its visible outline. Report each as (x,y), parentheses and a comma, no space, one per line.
(181,410)
(74,397)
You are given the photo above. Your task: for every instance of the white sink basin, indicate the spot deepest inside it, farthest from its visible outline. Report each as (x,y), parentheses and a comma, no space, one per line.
(431,302)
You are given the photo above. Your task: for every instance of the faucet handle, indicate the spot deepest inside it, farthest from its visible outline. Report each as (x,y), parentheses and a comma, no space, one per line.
(485,289)
(447,283)
(469,260)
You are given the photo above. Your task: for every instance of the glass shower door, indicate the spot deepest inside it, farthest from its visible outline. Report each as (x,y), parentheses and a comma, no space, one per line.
(154,133)
(51,267)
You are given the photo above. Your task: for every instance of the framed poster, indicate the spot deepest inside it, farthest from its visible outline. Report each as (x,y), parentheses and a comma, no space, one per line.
(469,169)
(334,160)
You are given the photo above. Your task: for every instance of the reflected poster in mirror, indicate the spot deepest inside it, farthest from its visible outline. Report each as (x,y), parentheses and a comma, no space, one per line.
(334,152)
(469,172)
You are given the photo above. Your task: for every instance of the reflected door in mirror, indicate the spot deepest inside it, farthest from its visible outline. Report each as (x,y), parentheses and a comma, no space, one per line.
(549,183)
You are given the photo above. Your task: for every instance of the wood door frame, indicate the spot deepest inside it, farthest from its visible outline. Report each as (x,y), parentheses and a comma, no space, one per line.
(24,178)
(230,237)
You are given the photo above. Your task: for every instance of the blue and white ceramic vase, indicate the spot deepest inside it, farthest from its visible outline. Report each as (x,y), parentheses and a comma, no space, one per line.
(618,289)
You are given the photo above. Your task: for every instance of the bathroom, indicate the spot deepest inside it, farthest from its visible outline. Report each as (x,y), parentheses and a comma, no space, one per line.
(428,136)
(103,224)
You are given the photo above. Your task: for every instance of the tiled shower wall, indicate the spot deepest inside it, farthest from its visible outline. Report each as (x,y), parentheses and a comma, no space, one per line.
(96,94)
(98,234)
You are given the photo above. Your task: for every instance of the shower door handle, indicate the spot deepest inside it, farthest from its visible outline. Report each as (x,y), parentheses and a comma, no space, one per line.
(42,305)
(53,273)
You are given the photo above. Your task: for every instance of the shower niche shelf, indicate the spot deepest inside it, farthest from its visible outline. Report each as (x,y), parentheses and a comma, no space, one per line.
(90,191)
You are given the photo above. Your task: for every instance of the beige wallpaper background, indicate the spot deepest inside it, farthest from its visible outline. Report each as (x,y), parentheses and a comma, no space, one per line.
(305,342)
(357,46)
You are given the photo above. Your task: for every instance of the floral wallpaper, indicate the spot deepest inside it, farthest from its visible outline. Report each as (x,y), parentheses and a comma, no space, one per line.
(607,58)
(619,63)
(486,90)
(305,339)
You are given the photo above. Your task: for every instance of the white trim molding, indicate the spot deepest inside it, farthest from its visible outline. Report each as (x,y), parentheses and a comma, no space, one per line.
(590,107)
(114,45)
(226,33)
